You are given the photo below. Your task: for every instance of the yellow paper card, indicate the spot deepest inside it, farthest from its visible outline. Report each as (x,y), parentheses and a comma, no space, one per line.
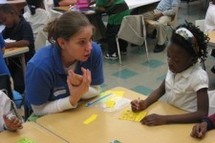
(118,93)
(110,103)
(132,116)
(90,119)
(115,92)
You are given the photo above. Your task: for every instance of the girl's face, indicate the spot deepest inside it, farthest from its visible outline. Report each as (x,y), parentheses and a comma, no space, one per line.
(7,19)
(78,47)
(178,58)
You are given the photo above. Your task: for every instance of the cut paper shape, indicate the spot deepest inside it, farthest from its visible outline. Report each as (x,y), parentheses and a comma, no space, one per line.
(25,140)
(132,116)
(110,103)
(115,92)
(90,119)
(115,103)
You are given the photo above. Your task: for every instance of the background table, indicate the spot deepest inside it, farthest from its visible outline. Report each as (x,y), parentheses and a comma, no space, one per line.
(211,35)
(107,127)
(17,51)
(18,4)
(31,131)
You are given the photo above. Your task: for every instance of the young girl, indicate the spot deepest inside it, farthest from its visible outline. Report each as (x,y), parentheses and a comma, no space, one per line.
(71,68)
(186,82)
(37,16)
(8,121)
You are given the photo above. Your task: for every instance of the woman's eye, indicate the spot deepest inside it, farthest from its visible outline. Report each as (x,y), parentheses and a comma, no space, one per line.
(82,42)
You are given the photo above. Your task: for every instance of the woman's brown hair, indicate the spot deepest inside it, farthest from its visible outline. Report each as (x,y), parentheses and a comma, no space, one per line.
(66,25)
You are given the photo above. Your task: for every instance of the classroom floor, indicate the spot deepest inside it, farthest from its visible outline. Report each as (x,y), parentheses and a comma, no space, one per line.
(142,76)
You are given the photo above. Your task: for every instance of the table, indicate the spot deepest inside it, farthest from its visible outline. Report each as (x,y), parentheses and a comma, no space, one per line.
(18,4)
(107,127)
(132,4)
(211,35)
(30,131)
(17,51)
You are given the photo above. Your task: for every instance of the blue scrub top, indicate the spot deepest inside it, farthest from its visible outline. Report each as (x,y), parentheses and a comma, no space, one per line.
(3,67)
(46,79)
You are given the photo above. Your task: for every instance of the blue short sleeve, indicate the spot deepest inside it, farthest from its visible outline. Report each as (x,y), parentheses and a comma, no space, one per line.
(37,84)
(2,43)
(97,69)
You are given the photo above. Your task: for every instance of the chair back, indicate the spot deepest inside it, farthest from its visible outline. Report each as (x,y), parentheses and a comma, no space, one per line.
(132,29)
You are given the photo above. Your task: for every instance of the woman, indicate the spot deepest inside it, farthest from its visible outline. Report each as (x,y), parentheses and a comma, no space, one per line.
(69,69)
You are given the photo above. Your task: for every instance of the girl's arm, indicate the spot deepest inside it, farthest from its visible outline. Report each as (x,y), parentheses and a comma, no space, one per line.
(21,43)
(139,105)
(202,110)
(156,94)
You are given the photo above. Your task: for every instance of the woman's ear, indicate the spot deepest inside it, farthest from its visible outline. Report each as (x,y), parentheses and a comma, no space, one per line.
(61,42)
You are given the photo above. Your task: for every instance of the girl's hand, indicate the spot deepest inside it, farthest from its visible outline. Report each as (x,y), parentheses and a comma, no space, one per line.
(154,120)
(77,91)
(138,105)
(13,123)
(75,79)
(199,130)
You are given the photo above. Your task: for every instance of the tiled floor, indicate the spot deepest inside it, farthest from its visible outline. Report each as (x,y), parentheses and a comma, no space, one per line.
(142,76)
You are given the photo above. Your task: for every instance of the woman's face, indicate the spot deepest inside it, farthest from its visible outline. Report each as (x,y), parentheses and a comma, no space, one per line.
(178,58)
(79,46)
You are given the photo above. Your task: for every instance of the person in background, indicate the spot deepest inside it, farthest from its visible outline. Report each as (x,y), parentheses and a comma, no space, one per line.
(210,24)
(161,16)
(116,10)
(210,17)
(8,121)
(64,2)
(69,69)
(36,15)
(20,31)
(186,83)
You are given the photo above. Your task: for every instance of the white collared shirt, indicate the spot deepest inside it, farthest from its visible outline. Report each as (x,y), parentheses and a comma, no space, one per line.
(38,20)
(5,104)
(181,88)
(210,18)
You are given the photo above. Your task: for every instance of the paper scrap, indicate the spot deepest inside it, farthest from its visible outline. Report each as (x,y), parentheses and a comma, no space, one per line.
(115,92)
(25,140)
(90,119)
(110,103)
(132,116)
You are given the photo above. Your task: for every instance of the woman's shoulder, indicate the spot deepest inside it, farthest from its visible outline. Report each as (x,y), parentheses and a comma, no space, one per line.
(42,56)
(96,48)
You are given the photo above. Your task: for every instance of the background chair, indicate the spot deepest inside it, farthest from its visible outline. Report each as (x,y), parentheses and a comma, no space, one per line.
(5,86)
(132,30)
